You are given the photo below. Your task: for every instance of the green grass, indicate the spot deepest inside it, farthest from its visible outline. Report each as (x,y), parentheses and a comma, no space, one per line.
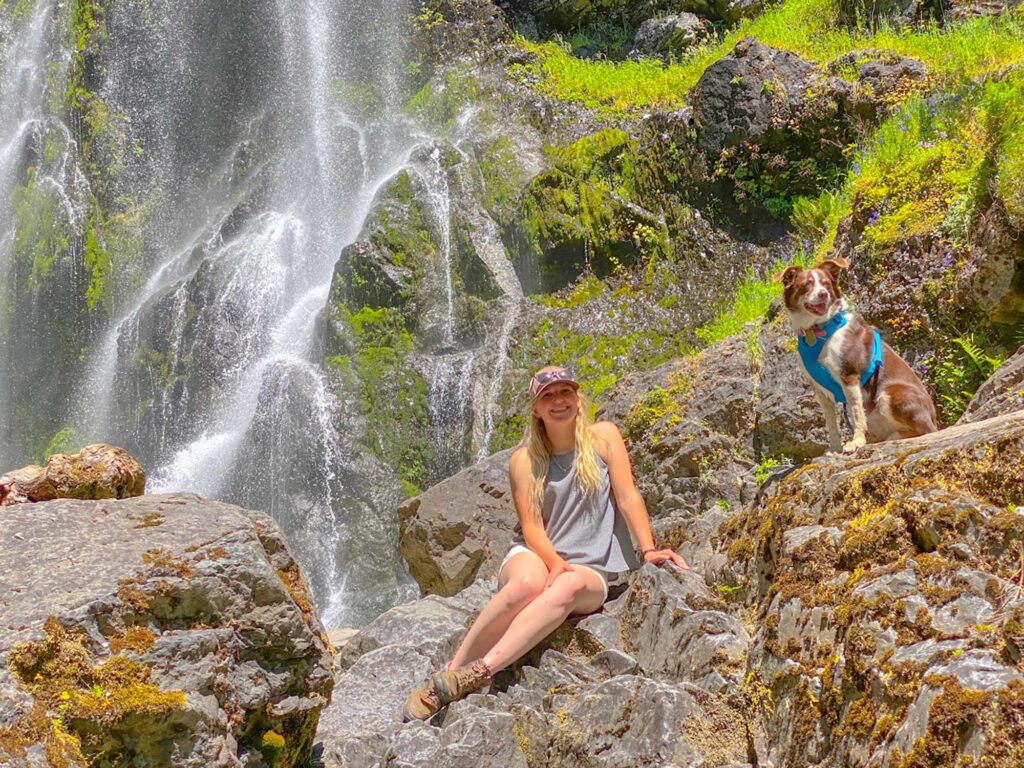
(751,300)
(927,169)
(810,28)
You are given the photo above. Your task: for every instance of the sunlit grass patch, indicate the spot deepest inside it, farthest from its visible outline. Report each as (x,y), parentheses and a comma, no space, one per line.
(750,302)
(927,169)
(813,29)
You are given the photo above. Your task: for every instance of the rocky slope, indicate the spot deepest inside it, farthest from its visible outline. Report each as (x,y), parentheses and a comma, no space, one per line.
(162,630)
(862,610)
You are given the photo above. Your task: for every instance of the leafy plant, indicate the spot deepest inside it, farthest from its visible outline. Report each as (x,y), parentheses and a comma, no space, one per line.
(958,375)
(764,470)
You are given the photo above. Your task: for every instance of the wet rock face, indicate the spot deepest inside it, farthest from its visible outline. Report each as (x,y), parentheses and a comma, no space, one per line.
(96,472)
(165,630)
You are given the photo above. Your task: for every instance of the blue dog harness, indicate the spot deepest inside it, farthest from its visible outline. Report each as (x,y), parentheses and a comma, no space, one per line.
(821,375)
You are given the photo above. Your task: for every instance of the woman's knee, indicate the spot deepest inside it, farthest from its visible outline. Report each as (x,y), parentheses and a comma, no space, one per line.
(569,587)
(523,588)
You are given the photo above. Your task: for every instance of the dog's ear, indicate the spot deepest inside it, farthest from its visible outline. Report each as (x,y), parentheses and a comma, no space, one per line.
(834,267)
(787,275)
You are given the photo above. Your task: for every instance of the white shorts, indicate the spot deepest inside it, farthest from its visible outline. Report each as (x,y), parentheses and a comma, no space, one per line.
(519,549)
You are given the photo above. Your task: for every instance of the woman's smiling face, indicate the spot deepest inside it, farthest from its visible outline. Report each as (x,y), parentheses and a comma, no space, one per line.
(557,402)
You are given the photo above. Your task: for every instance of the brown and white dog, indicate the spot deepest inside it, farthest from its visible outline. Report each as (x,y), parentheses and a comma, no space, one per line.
(847,361)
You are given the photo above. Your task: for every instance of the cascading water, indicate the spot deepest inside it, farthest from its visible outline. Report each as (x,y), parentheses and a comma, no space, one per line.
(251,140)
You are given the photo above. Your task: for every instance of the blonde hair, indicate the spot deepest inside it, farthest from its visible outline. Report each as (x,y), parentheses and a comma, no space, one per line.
(538,449)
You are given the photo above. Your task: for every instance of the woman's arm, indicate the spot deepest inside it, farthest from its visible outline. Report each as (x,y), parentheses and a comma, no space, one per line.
(530,519)
(630,503)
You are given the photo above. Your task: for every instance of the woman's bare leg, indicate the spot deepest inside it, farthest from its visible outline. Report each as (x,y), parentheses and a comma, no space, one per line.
(520,581)
(581,591)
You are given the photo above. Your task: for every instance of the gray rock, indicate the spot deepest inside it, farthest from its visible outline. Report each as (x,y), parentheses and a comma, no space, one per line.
(204,595)
(745,96)
(614,662)
(959,616)
(670,34)
(460,529)
(433,626)
(368,701)
(629,721)
(797,538)
(604,628)
(894,585)
(672,629)
(688,424)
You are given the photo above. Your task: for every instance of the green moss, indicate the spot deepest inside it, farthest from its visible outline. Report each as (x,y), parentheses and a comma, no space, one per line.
(79,704)
(587,213)
(750,303)
(41,230)
(661,406)
(393,394)
(585,289)
(65,440)
(503,176)
(440,102)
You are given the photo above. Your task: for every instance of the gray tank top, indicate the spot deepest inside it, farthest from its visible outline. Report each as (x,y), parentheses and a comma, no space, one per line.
(584,531)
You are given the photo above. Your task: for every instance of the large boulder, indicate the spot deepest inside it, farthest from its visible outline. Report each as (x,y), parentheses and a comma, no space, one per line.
(771,97)
(165,630)
(881,582)
(96,472)
(460,529)
(772,125)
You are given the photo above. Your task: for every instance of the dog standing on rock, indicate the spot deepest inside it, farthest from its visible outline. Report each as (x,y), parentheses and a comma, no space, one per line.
(848,362)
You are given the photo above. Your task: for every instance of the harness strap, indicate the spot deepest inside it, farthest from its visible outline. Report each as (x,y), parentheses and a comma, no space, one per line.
(820,374)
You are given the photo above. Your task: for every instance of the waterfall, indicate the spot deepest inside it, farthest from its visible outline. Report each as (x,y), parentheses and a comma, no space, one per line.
(242,146)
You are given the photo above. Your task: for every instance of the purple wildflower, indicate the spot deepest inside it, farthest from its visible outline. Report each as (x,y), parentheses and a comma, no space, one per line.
(874,216)
(948,261)
(856,167)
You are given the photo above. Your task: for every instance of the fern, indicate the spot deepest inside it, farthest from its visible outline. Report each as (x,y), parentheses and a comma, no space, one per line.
(985,364)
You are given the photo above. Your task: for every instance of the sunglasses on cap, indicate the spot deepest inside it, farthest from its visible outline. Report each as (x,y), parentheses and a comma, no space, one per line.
(542,379)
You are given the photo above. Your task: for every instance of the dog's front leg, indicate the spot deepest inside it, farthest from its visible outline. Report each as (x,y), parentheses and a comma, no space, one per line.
(828,407)
(855,407)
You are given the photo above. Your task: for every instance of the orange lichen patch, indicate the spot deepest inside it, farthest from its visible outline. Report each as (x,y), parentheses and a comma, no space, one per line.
(130,593)
(137,639)
(77,700)
(148,520)
(954,716)
(293,581)
(165,563)
(216,553)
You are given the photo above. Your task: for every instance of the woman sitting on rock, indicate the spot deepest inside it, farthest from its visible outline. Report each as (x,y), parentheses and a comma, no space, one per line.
(573,489)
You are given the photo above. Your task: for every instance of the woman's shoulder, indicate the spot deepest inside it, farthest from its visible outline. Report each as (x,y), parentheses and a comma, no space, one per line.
(520,458)
(606,430)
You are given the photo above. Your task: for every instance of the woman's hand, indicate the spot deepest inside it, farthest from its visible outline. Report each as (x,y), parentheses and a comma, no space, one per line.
(557,570)
(659,556)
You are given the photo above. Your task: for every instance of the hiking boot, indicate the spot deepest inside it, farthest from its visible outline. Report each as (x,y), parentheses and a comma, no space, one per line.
(452,684)
(422,703)
(443,688)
